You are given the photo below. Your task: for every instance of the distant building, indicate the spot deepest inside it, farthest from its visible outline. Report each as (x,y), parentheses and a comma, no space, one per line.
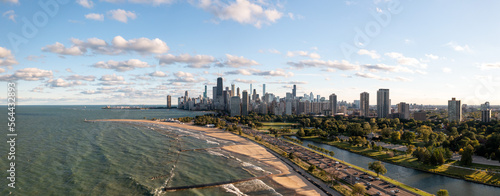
(404,110)
(383,103)
(486,115)
(294,91)
(205,93)
(238,91)
(232,90)
(169,101)
(364,104)
(244,103)
(333,104)
(454,110)
(422,116)
(235,106)
(219,86)
(263,89)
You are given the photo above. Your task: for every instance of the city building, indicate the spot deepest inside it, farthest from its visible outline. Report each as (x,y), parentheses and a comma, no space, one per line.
(263,89)
(383,103)
(486,115)
(404,110)
(238,92)
(364,104)
(454,110)
(232,90)
(205,93)
(235,106)
(244,103)
(169,101)
(294,91)
(422,116)
(333,104)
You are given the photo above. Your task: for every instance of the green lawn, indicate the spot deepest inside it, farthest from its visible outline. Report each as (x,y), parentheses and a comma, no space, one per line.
(278,125)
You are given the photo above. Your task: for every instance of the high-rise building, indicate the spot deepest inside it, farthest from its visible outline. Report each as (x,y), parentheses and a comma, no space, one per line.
(318,97)
(333,104)
(214,93)
(205,93)
(250,91)
(422,116)
(364,104)
(485,106)
(169,101)
(244,103)
(294,91)
(454,110)
(486,115)
(311,97)
(263,89)
(238,91)
(383,103)
(186,96)
(235,106)
(232,90)
(219,87)
(404,110)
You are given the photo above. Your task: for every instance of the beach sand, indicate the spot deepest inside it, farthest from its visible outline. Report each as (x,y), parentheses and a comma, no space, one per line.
(288,179)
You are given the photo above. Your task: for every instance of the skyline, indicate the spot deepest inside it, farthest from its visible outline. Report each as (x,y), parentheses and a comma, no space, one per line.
(116,52)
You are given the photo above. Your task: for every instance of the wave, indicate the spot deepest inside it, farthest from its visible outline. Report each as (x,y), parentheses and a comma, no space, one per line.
(257,187)
(230,188)
(212,142)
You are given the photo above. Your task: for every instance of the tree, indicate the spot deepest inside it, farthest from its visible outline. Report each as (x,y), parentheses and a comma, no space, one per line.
(311,168)
(442,192)
(409,136)
(377,167)
(395,136)
(301,132)
(358,189)
(467,155)
(410,149)
(291,156)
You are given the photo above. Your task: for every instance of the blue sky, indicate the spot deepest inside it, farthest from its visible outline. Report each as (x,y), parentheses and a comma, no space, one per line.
(137,52)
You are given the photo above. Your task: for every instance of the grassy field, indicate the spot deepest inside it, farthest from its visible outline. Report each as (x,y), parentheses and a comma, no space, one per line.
(278,125)
(408,161)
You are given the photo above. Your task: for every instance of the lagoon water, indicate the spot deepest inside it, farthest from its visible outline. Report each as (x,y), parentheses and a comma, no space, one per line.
(57,153)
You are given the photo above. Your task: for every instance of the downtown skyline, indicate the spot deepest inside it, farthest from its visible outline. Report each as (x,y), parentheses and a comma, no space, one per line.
(123,52)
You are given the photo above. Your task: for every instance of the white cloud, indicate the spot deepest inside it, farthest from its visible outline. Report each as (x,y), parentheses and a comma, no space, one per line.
(11,15)
(245,72)
(62,83)
(69,70)
(158,74)
(111,80)
(373,76)
(85,3)
(402,60)
(460,48)
(341,65)
(291,16)
(185,77)
(6,57)
(446,70)
(487,66)
(197,61)
(34,57)
(94,16)
(80,77)
(372,53)
(304,54)
(241,11)
(10,1)
(388,68)
(238,80)
(122,66)
(151,2)
(119,45)
(256,72)
(432,57)
(122,15)
(28,74)
(238,61)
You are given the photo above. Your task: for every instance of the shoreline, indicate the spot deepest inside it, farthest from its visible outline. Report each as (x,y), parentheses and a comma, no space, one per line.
(288,179)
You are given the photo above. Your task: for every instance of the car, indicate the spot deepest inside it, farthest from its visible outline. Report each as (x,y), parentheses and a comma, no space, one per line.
(377,178)
(340,165)
(355,173)
(350,166)
(368,184)
(357,178)
(365,173)
(392,185)
(378,193)
(397,191)
(337,162)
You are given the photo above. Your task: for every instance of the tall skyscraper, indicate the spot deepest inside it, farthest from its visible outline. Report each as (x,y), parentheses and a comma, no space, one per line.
(383,103)
(232,90)
(486,115)
(318,97)
(219,86)
(311,97)
(294,91)
(333,104)
(364,104)
(214,93)
(169,101)
(250,90)
(205,93)
(454,110)
(235,106)
(263,89)
(186,96)
(244,104)
(238,91)
(404,110)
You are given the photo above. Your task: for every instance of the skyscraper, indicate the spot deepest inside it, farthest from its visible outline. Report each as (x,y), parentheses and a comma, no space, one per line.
(294,91)
(169,101)
(333,104)
(235,106)
(186,96)
(219,86)
(214,93)
(264,89)
(311,97)
(404,110)
(232,90)
(205,93)
(250,90)
(364,104)
(244,104)
(318,97)
(486,115)
(454,110)
(238,91)
(383,103)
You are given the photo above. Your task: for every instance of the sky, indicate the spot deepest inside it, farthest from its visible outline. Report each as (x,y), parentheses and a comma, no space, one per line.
(109,52)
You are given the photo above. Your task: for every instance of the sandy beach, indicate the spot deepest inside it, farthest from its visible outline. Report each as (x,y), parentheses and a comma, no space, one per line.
(288,179)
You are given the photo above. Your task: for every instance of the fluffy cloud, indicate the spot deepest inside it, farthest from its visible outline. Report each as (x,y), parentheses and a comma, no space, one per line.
(158,74)
(122,66)
(6,57)
(10,1)
(256,72)
(119,45)
(373,76)
(304,54)
(185,77)
(151,2)
(242,11)
(80,77)
(94,16)
(85,3)
(198,61)
(372,53)
(341,65)
(459,48)
(388,68)
(238,61)
(122,15)
(244,81)
(111,80)
(11,15)
(62,83)
(402,60)
(486,66)
(432,57)
(446,70)
(28,74)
